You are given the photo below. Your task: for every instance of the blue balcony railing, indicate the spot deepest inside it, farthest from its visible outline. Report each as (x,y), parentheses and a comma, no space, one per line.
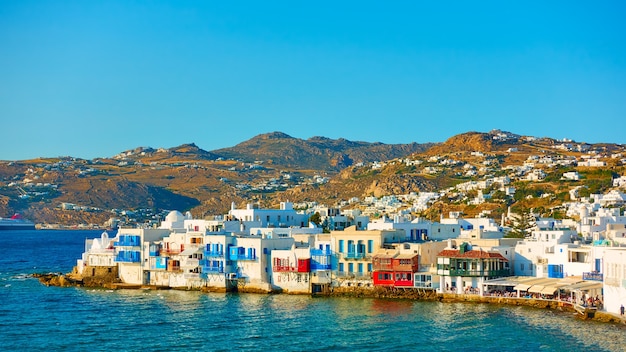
(593,276)
(214,254)
(355,255)
(318,266)
(128,241)
(320,252)
(243,257)
(213,269)
(128,257)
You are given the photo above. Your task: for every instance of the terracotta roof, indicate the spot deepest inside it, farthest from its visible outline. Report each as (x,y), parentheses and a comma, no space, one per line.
(455,253)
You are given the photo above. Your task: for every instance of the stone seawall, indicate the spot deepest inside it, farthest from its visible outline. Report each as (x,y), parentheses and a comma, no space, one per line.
(107,279)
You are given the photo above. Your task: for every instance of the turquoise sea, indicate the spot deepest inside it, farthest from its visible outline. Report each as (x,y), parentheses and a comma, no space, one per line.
(36,317)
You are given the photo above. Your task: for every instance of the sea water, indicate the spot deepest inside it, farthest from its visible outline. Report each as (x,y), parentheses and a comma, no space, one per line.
(36,317)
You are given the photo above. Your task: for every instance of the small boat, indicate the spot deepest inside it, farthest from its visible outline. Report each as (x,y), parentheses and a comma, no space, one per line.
(16,222)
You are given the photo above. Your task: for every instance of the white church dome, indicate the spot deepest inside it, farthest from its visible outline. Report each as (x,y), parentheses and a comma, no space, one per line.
(174,216)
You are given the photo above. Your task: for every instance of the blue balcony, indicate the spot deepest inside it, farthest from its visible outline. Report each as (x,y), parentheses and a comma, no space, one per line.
(128,241)
(593,276)
(355,255)
(213,269)
(320,252)
(241,253)
(243,257)
(315,266)
(214,254)
(128,257)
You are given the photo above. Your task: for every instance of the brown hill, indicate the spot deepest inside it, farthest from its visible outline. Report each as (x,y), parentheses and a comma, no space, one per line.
(189,178)
(316,153)
(476,141)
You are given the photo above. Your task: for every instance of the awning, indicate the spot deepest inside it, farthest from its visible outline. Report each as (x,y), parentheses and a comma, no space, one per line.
(584,286)
(189,251)
(521,287)
(536,288)
(549,290)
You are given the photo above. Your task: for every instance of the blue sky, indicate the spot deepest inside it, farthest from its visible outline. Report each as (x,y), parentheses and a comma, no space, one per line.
(93,78)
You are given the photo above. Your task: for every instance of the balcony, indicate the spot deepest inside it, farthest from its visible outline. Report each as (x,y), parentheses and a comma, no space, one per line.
(355,255)
(127,243)
(214,254)
(128,257)
(382,267)
(319,266)
(593,276)
(284,269)
(213,269)
(321,252)
(242,257)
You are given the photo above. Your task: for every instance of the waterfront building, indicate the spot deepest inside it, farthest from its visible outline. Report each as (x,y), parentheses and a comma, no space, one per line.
(614,287)
(390,268)
(426,276)
(291,269)
(132,246)
(251,257)
(354,251)
(99,252)
(175,260)
(465,270)
(321,263)
(216,268)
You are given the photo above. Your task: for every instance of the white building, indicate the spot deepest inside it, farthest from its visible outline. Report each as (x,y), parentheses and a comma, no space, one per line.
(614,289)
(284,217)
(417,229)
(132,247)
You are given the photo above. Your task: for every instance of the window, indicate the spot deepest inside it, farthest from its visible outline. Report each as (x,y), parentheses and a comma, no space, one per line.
(370,246)
(340,246)
(350,267)
(341,267)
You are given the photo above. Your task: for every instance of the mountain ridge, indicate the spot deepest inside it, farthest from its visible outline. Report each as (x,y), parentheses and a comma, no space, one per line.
(274,167)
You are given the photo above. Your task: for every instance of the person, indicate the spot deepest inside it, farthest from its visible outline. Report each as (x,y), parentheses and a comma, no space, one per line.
(621,310)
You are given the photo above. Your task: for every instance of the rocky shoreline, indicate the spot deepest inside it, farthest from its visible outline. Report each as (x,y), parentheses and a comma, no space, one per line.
(110,282)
